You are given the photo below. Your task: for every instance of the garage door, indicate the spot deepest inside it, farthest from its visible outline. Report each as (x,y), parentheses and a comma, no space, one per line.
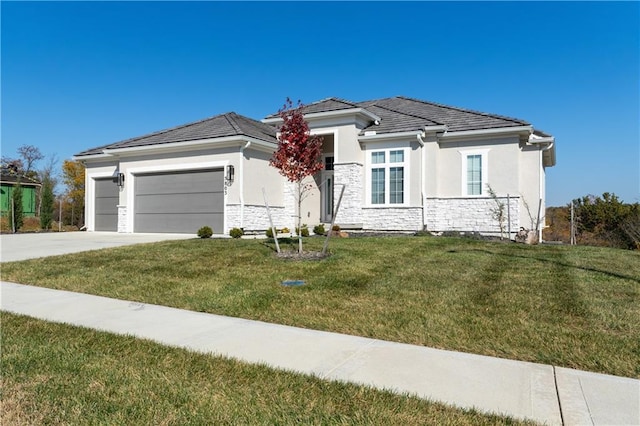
(107,195)
(180,202)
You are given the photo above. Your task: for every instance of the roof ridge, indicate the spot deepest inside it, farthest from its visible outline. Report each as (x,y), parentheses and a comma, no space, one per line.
(229,116)
(160,132)
(402,112)
(258,125)
(471,111)
(332,98)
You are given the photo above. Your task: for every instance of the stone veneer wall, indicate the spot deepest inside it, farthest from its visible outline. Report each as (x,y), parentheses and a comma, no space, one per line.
(122,218)
(351,175)
(255,217)
(469,214)
(392,218)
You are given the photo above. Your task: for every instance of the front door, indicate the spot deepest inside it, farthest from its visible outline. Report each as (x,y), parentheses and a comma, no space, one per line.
(326,190)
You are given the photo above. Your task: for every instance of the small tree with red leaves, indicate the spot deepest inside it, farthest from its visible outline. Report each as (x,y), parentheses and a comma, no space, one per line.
(298,155)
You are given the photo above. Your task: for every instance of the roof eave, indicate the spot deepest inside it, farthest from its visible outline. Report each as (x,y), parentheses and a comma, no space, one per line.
(549,151)
(177,146)
(330,114)
(522,131)
(389,136)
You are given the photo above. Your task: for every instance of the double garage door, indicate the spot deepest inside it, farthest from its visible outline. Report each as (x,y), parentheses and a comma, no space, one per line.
(176,202)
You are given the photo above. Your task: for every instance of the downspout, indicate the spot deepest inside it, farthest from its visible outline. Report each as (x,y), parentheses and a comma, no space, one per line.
(241,179)
(422,174)
(550,144)
(541,190)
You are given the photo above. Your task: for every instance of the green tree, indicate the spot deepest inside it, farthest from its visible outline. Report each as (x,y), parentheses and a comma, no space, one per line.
(601,219)
(16,214)
(47,204)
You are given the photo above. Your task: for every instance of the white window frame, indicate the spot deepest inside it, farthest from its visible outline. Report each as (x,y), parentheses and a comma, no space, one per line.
(387,166)
(484,177)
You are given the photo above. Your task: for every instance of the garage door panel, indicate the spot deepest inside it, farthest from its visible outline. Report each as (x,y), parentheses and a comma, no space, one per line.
(183,223)
(176,183)
(180,203)
(107,197)
(106,205)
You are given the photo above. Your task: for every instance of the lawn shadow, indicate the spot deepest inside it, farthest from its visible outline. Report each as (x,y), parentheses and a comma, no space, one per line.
(555,262)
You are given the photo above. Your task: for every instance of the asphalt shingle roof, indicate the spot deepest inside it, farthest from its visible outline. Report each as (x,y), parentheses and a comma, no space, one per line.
(325,105)
(397,114)
(223,125)
(401,114)
(404,114)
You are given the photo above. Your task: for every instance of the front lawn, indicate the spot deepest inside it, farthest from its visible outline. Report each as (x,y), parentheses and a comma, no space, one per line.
(58,374)
(575,307)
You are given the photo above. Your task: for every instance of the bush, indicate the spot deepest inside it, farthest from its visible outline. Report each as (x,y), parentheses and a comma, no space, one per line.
(285,230)
(318,229)
(269,233)
(236,232)
(335,228)
(304,231)
(205,232)
(30,224)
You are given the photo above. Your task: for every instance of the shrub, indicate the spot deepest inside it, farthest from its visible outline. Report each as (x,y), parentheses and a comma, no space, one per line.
(304,231)
(236,232)
(285,230)
(205,232)
(30,224)
(318,229)
(335,228)
(423,233)
(4,223)
(269,233)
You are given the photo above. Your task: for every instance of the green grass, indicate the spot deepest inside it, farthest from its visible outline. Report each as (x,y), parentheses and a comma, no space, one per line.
(576,307)
(59,374)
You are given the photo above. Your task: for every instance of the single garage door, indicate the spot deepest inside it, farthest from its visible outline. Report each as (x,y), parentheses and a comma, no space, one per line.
(107,198)
(179,202)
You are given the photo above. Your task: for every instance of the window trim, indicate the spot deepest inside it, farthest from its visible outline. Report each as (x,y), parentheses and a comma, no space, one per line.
(387,166)
(484,168)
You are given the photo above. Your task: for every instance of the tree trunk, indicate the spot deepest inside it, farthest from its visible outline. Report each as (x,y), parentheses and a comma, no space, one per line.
(300,217)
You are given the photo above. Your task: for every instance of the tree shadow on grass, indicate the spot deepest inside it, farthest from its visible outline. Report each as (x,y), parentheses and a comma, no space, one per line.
(552,261)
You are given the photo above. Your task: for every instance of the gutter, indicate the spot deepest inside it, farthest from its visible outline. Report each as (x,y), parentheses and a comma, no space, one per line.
(485,132)
(550,144)
(231,140)
(329,114)
(389,136)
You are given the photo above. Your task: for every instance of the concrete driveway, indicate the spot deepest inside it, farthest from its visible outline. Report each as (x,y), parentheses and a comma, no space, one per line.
(30,246)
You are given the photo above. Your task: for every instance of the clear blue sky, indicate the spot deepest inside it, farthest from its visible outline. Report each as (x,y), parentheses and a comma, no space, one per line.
(80,74)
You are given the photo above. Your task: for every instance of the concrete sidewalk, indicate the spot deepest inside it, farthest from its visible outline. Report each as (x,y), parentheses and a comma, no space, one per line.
(520,389)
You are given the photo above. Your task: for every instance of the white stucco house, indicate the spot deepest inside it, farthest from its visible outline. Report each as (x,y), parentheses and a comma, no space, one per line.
(405,164)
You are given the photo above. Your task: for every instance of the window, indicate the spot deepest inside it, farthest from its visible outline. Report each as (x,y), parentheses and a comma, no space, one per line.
(387,177)
(474,172)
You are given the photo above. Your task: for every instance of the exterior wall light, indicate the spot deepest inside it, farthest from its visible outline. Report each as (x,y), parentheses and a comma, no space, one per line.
(230,174)
(120,180)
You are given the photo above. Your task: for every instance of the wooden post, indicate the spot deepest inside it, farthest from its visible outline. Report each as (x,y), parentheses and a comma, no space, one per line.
(333,221)
(572,240)
(273,229)
(13,215)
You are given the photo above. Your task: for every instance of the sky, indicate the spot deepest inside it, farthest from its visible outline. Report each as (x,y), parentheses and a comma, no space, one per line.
(76,75)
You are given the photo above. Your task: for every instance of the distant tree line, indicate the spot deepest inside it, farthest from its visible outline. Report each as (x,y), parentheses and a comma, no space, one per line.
(67,204)
(599,220)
